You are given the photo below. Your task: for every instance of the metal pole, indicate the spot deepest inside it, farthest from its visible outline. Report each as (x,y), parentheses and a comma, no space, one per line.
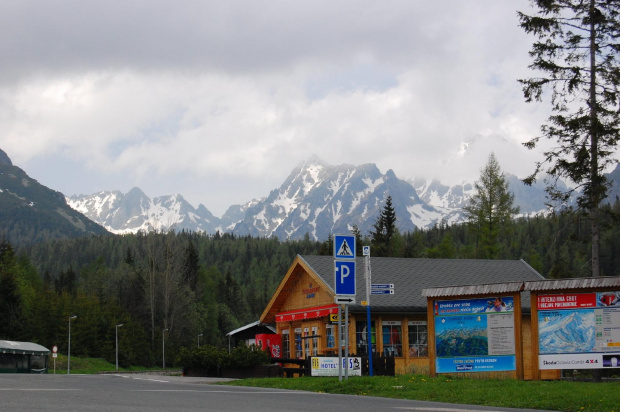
(368,321)
(199,339)
(163,348)
(69,346)
(340,343)
(117,326)
(346,342)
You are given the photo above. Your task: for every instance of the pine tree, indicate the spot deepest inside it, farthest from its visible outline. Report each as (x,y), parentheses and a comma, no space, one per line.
(577,55)
(358,240)
(490,210)
(385,229)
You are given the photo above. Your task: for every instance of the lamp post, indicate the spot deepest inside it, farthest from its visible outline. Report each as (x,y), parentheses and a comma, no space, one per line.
(199,339)
(69,346)
(163,348)
(117,326)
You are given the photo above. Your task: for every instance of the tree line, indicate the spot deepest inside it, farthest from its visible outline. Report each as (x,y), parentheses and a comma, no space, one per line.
(186,284)
(192,284)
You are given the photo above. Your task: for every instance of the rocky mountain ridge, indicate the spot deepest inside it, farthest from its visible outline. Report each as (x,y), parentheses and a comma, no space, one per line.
(317,199)
(31,212)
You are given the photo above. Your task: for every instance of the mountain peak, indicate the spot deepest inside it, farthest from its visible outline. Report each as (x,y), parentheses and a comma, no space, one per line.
(4,158)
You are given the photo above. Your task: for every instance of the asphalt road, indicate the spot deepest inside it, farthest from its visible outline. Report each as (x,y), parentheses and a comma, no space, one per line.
(124,392)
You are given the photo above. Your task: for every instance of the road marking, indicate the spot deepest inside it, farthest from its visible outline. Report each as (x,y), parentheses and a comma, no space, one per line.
(422,408)
(37,389)
(219,391)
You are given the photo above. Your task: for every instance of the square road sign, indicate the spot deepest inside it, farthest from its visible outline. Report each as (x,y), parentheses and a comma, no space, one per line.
(344,277)
(344,247)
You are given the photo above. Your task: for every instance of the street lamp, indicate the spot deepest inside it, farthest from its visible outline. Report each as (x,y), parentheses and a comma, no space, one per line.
(117,326)
(69,346)
(163,348)
(199,339)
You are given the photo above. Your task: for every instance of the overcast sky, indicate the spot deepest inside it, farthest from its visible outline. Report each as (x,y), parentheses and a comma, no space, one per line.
(220,100)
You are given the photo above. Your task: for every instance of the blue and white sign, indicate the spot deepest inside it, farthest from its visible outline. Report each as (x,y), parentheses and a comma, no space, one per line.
(344,247)
(382,292)
(382,286)
(344,277)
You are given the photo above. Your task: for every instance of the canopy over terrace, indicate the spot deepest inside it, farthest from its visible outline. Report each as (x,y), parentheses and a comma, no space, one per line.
(22,348)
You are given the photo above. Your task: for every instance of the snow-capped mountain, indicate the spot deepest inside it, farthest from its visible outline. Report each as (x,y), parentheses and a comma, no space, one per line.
(450,200)
(316,198)
(135,211)
(320,199)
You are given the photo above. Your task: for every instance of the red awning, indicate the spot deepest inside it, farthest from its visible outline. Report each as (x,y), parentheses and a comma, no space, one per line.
(308,313)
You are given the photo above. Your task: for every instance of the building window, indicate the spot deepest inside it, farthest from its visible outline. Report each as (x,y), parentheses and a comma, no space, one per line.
(392,342)
(286,344)
(298,349)
(315,340)
(306,338)
(418,345)
(361,337)
(331,338)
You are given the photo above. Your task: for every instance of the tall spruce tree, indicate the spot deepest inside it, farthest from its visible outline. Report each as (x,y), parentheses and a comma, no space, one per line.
(490,210)
(385,229)
(576,55)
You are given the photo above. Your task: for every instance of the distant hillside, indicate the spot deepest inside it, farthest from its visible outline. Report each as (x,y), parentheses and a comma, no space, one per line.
(30,212)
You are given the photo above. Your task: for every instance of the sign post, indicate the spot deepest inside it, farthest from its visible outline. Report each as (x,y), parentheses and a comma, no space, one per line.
(366,253)
(344,286)
(54,355)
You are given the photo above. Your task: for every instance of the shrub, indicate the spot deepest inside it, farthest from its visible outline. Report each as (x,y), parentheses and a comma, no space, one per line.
(247,356)
(205,357)
(210,357)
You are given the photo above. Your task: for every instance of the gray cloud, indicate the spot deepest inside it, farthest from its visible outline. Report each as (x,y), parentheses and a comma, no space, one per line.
(220,100)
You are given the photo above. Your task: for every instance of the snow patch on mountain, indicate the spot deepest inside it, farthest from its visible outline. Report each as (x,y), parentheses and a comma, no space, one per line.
(317,199)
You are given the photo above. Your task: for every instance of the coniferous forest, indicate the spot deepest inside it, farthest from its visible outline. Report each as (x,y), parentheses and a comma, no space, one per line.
(197,284)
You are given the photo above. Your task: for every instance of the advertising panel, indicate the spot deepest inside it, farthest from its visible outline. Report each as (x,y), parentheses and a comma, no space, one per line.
(271,343)
(328,366)
(475,335)
(579,330)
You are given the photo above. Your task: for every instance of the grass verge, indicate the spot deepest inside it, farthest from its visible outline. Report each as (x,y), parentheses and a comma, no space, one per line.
(87,366)
(549,395)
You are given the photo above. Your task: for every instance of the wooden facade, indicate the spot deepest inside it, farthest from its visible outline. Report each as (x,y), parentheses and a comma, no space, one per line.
(304,313)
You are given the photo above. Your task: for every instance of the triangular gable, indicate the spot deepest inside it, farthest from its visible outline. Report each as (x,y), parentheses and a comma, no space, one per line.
(300,288)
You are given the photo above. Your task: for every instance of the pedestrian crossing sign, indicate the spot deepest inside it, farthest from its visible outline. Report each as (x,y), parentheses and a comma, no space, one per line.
(344,247)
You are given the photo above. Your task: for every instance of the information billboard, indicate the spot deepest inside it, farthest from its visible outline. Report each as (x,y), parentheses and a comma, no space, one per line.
(579,330)
(475,335)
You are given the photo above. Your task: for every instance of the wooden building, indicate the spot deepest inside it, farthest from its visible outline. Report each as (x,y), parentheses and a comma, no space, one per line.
(303,304)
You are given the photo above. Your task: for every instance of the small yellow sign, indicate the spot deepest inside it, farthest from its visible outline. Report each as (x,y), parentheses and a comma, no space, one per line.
(364,303)
(333,318)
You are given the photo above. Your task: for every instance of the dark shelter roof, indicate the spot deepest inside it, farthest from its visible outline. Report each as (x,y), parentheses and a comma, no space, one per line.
(411,276)
(22,348)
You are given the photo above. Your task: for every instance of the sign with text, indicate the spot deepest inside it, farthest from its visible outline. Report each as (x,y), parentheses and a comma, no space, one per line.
(475,335)
(579,330)
(328,366)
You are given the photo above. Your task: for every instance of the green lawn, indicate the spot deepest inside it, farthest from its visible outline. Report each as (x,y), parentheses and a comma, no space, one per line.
(550,395)
(86,365)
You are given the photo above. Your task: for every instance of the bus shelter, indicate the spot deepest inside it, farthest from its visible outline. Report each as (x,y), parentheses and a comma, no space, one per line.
(22,357)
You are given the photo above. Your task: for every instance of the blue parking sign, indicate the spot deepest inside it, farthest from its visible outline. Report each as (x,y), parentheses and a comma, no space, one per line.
(344,277)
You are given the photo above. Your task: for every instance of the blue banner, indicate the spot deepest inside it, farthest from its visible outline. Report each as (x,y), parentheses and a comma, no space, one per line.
(476,364)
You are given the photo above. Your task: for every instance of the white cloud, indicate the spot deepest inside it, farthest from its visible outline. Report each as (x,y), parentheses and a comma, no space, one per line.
(219,101)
